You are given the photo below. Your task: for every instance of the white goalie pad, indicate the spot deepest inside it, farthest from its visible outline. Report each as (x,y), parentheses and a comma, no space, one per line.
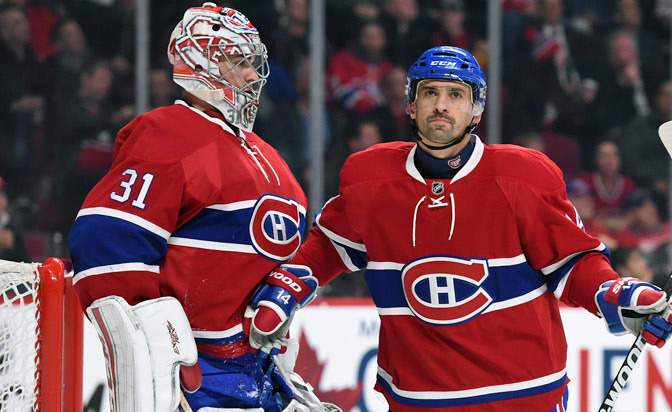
(143,347)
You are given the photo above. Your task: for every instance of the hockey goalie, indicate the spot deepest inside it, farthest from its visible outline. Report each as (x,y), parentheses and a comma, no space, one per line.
(181,233)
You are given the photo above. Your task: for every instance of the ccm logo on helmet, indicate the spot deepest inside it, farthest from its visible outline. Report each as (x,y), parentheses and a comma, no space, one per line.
(445,290)
(442,63)
(287,281)
(275,227)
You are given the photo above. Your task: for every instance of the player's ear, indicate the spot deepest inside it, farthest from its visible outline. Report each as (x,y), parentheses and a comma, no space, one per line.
(411,109)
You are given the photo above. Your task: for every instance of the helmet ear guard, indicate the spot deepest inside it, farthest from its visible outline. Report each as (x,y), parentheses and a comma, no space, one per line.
(210,34)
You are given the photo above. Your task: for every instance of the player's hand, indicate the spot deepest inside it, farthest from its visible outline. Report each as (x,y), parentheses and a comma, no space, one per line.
(630,305)
(269,314)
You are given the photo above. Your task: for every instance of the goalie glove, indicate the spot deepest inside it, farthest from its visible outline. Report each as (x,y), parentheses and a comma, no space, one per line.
(269,314)
(630,305)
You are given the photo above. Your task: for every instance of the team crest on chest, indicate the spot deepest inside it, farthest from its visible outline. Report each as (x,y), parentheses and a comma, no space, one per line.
(444,290)
(437,188)
(276,226)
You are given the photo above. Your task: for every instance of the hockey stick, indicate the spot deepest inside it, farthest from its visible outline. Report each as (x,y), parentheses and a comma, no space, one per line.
(184,405)
(617,385)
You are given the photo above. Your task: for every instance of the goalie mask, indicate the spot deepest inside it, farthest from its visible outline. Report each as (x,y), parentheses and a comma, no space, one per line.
(209,38)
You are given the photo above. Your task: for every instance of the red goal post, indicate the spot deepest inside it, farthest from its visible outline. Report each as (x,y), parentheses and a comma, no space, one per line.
(41,338)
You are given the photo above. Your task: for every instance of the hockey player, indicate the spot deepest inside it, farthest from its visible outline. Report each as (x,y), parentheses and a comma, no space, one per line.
(468,248)
(196,209)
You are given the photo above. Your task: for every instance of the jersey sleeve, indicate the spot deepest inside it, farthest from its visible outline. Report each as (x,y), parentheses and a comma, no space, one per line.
(556,243)
(121,232)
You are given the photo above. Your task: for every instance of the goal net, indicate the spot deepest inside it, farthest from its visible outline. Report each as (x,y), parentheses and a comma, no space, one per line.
(40,339)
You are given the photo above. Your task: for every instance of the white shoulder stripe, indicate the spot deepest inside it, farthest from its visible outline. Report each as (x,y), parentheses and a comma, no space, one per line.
(555,266)
(519,300)
(468,393)
(340,239)
(344,256)
(209,245)
(136,220)
(122,267)
(228,207)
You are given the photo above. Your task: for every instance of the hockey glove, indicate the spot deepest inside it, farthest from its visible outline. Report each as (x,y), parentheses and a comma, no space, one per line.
(269,314)
(630,305)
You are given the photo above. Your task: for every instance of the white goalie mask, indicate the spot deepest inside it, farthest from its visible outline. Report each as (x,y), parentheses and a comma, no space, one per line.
(209,35)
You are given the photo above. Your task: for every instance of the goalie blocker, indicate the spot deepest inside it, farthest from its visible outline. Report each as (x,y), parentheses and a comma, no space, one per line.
(144,346)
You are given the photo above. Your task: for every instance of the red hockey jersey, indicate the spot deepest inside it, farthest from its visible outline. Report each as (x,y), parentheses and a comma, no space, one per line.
(190,210)
(463,273)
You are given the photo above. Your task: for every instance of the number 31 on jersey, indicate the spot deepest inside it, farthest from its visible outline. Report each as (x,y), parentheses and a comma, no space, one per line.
(128,180)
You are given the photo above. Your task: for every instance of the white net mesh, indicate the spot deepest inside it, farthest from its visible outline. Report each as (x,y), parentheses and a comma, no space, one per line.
(18,336)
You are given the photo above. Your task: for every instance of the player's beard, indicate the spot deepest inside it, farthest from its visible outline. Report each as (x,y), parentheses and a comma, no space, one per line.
(440,133)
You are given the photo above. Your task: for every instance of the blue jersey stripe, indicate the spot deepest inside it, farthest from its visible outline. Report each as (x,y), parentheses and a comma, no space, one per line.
(116,241)
(218,226)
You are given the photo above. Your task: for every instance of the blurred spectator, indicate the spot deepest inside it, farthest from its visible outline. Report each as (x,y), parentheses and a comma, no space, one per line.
(288,43)
(66,64)
(83,130)
(42,17)
(408,31)
(647,161)
(555,80)
(563,150)
(452,30)
(583,200)
(608,185)
(629,262)
(85,113)
(22,85)
(354,74)
(645,229)
(391,115)
(287,127)
(162,89)
(12,245)
(626,87)
(628,18)
(359,134)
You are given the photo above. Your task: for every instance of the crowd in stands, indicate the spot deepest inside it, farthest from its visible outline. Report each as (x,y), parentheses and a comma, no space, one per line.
(585,82)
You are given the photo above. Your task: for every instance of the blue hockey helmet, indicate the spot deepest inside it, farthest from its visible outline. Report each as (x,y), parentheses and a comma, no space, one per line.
(448,63)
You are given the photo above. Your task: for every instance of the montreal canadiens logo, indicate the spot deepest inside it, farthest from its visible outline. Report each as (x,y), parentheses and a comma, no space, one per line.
(275,227)
(445,290)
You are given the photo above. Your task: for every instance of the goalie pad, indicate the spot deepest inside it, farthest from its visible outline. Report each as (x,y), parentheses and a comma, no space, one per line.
(144,346)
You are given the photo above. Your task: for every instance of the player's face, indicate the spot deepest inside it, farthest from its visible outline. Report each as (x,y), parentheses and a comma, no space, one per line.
(442,110)
(237,71)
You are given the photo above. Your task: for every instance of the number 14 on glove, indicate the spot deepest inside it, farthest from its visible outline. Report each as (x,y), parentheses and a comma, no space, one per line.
(630,305)
(269,314)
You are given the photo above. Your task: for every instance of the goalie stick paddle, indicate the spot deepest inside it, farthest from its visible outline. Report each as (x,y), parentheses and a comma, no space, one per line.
(635,352)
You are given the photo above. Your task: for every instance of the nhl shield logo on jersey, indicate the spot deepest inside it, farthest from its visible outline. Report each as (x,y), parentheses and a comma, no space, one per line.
(276,227)
(437,188)
(445,290)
